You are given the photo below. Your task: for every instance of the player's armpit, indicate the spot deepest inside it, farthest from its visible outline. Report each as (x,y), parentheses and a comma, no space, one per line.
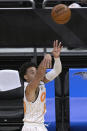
(30,96)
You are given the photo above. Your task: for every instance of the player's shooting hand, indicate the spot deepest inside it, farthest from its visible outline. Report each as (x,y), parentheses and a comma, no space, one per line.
(45,63)
(48,60)
(42,69)
(56,49)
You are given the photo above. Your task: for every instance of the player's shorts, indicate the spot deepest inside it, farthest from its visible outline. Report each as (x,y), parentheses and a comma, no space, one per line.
(33,127)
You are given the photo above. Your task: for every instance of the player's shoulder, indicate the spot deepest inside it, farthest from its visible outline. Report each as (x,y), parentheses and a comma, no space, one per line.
(42,84)
(26,83)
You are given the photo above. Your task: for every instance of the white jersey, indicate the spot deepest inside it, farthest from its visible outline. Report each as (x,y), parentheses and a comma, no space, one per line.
(34,111)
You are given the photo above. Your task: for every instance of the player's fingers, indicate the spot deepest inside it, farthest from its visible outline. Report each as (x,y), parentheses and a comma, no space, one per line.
(46,63)
(49,63)
(60,45)
(54,44)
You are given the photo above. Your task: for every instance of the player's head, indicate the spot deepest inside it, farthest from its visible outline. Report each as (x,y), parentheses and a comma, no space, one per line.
(28,71)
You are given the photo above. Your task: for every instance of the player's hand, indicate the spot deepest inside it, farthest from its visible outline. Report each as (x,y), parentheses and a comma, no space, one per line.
(56,49)
(48,59)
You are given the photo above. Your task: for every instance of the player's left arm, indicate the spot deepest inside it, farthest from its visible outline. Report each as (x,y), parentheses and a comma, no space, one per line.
(57,68)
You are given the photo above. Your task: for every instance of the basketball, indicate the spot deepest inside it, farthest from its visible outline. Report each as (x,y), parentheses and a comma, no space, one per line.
(61,14)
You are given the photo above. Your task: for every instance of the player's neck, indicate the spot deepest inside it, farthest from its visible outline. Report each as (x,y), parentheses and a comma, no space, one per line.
(28,81)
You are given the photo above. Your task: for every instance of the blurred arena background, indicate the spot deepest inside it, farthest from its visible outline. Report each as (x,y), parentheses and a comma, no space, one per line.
(27,32)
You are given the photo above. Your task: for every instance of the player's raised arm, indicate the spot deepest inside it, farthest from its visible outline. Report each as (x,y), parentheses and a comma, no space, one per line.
(57,68)
(33,85)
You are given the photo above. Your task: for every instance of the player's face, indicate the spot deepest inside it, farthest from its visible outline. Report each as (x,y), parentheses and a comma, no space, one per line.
(30,74)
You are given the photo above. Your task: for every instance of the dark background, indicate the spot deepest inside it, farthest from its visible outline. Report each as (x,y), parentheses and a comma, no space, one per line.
(35,28)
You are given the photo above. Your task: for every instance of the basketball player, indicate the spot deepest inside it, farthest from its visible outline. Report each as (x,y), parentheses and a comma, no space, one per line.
(35,92)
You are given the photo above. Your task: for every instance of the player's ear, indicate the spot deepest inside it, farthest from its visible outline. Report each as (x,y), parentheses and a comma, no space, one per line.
(25,77)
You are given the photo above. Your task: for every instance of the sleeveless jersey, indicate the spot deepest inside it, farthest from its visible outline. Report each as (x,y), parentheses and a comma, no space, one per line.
(34,111)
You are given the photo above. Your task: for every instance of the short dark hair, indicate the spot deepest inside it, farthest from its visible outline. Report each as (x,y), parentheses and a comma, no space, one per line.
(24,67)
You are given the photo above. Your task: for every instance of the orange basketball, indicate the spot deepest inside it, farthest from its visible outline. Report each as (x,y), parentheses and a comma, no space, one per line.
(61,14)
